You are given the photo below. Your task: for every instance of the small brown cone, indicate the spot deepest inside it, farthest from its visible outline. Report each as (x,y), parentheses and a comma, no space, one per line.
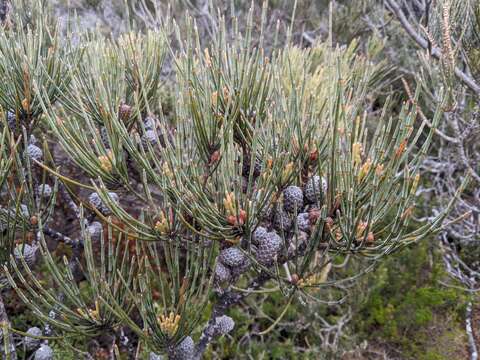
(124,112)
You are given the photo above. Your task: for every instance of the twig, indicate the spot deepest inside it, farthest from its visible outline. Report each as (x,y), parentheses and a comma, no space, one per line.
(60,237)
(68,199)
(461,148)
(4,320)
(469,329)
(225,301)
(423,43)
(424,118)
(232,297)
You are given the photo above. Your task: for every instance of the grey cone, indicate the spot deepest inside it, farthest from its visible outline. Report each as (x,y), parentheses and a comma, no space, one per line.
(45,352)
(34,152)
(222,273)
(224,324)
(28,252)
(96,202)
(303,222)
(232,257)
(314,188)
(44,190)
(185,350)
(30,342)
(293,199)
(281,220)
(268,250)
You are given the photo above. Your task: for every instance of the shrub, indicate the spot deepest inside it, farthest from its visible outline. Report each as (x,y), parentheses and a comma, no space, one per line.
(264,179)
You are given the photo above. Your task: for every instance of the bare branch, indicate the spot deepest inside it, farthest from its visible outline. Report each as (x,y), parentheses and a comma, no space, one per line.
(423,43)
(469,329)
(4,320)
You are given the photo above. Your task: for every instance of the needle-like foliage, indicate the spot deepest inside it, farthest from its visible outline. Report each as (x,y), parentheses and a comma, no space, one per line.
(268,174)
(32,58)
(108,268)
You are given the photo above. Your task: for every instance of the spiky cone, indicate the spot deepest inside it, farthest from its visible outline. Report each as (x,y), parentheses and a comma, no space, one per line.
(34,152)
(11,121)
(222,273)
(28,252)
(45,352)
(153,356)
(124,112)
(152,133)
(303,222)
(24,211)
(232,257)
(293,199)
(259,235)
(314,188)
(150,123)
(224,324)
(44,190)
(96,202)
(268,249)
(32,343)
(281,220)
(247,167)
(95,231)
(242,268)
(185,350)
(150,137)
(105,137)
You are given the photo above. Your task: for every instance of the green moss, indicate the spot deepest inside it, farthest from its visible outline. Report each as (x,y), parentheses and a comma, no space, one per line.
(406,302)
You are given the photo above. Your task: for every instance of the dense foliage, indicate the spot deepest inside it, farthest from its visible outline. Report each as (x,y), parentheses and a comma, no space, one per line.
(252,182)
